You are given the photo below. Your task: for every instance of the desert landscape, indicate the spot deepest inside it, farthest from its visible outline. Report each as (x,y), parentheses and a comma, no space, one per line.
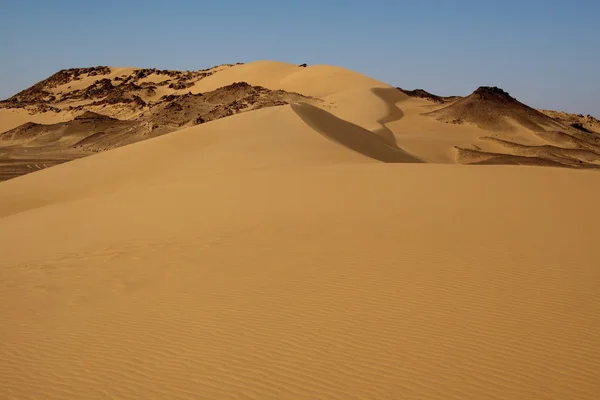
(268,230)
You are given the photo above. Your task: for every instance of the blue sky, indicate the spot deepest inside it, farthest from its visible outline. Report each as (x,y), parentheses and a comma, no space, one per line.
(545,53)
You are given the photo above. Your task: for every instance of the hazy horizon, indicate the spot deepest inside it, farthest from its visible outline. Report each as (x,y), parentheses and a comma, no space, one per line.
(539,52)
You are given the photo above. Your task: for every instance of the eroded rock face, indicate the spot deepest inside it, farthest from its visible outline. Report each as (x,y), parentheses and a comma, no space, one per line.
(40,92)
(131,89)
(173,111)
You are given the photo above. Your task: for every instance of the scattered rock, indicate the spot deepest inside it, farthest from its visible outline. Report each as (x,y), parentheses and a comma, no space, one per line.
(104,98)
(181,85)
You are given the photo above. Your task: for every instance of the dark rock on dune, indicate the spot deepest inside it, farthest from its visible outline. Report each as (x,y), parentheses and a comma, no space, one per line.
(99,89)
(423,94)
(90,115)
(580,126)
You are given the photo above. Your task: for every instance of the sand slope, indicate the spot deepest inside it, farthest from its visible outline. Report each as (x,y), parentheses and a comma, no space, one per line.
(271,138)
(11,118)
(32,146)
(254,257)
(254,286)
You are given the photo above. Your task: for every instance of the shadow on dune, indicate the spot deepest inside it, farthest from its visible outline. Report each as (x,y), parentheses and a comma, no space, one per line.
(390,97)
(352,136)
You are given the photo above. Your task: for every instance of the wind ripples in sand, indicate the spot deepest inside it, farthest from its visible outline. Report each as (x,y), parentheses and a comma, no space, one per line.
(323,320)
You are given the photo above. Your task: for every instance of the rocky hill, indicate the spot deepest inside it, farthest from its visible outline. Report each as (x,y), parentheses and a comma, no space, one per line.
(492,108)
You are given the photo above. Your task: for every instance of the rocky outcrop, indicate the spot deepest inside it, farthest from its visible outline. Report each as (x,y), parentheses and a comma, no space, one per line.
(40,92)
(492,108)
(423,94)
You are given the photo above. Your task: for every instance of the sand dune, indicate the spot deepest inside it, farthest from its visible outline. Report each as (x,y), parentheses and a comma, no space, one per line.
(305,251)
(270,138)
(354,99)
(478,157)
(11,118)
(426,127)
(24,148)
(347,281)
(316,80)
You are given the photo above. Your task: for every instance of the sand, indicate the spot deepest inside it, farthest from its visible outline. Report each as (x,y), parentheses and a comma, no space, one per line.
(11,118)
(267,256)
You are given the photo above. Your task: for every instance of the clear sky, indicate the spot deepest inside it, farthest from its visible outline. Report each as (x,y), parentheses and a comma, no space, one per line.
(546,53)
